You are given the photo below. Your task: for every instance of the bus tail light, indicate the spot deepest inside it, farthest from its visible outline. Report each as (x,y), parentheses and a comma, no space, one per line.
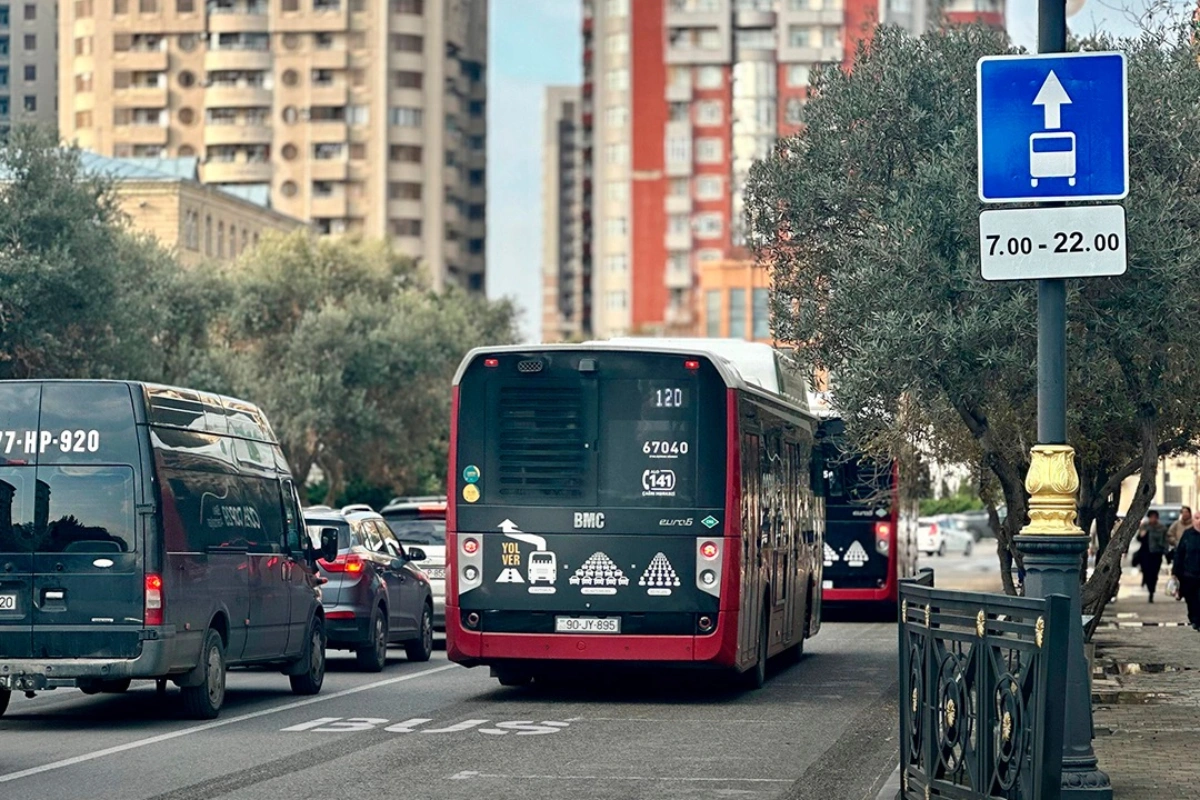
(709,558)
(470,546)
(883,537)
(153,613)
(470,564)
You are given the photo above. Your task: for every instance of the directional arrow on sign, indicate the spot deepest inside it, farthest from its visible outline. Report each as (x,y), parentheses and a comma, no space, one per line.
(1052,97)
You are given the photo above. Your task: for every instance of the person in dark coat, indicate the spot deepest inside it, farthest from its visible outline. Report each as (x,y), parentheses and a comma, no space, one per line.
(1154,546)
(1187,569)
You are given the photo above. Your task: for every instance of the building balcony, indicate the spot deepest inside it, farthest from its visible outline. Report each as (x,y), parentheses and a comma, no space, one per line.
(409,62)
(678,241)
(242,22)
(237,172)
(678,278)
(230,60)
(331,206)
(405,209)
(679,204)
(824,16)
(237,97)
(237,134)
(679,92)
(140,61)
(324,21)
(329,169)
(754,19)
(328,131)
(138,97)
(140,134)
(679,169)
(330,58)
(331,95)
(406,23)
(405,135)
(405,173)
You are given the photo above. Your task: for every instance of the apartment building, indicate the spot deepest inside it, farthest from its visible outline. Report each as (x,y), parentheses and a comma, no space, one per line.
(28,64)
(358,116)
(566,264)
(680,98)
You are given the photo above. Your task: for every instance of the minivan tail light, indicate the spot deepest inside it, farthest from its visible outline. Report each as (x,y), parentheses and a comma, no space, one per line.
(153,612)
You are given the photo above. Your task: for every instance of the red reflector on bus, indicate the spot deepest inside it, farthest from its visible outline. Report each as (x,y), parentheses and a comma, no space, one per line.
(470,546)
(709,550)
(692,365)
(491,362)
(883,530)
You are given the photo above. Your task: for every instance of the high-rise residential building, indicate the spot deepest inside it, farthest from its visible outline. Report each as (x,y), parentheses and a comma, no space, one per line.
(566,270)
(680,98)
(361,116)
(28,64)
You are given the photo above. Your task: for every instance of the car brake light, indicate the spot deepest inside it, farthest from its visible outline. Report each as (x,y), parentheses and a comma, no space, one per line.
(153,613)
(470,546)
(491,362)
(691,365)
(709,550)
(348,563)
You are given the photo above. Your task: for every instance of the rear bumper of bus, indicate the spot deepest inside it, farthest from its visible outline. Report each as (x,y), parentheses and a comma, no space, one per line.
(837,597)
(475,648)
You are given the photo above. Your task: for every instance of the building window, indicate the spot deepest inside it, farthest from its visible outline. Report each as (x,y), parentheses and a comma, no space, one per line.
(31,72)
(709,112)
(208,239)
(406,227)
(405,117)
(708,187)
(761,323)
(678,223)
(31,102)
(31,41)
(185,6)
(831,37)
(679,187)
(407,43)
(798,75)
(617,80)
(148,6)
(220,240)
(708,150)
(407,80)
(616,116)
(408,7)
(708,254)
(30,12)
(84,9)
(616,8)
(404,191)
(617,153)
(755,39)
(83,119)
(120,7)
(616,264)
(679,150)
(618,300)
(617,43)
(3,77)
(712,312)
(83,82)
(358,151)
(290,5)
(405,153)
(708,225)
(801,36)
(615,226)
(737,313)
(794,111)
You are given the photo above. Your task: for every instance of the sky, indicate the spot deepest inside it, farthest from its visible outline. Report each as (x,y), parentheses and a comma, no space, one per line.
(537,43)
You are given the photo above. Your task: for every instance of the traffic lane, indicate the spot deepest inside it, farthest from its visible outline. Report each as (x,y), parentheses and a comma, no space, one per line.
(48,740)
(672,737)
(980,571)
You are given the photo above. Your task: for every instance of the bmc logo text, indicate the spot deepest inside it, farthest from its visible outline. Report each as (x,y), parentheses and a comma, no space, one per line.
(589,519)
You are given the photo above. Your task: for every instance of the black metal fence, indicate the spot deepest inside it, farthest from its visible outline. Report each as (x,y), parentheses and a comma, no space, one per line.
(982,682)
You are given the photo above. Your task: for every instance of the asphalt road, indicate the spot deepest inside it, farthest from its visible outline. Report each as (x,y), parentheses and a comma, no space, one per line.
(824,727)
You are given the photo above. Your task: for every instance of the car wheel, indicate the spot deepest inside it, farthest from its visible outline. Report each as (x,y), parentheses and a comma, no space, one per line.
(5,696)
(421,648)
(310,681)
(941,549)
(205,700)
(968,549)
(373,657)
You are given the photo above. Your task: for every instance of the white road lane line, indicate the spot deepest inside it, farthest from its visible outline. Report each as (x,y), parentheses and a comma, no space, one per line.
(467,775)
(220,723)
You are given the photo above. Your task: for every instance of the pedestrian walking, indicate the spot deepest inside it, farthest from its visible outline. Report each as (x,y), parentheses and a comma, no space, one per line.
(1154,546)
(1176,530)
(1187,569)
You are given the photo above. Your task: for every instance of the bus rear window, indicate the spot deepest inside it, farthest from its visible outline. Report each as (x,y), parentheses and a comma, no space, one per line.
(648,427)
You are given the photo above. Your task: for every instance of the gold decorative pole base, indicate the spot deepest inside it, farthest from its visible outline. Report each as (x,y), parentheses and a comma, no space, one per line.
(1052,484)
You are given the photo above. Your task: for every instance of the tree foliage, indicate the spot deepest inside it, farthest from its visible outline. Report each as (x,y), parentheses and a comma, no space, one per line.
(342,343)
(868,222)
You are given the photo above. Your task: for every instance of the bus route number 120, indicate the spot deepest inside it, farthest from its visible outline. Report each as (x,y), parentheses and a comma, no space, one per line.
(668,398)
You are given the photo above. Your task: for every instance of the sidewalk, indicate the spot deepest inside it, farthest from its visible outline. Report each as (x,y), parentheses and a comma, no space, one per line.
(1146,695)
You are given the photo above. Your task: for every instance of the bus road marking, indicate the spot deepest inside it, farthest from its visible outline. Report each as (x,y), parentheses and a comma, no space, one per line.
(360,724)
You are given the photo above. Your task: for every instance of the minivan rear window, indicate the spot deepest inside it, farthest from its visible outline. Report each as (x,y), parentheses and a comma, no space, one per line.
(55,510)
(67,423)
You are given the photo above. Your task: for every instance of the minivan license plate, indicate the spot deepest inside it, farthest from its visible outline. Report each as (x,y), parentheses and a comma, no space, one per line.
(8,602)
(587,625)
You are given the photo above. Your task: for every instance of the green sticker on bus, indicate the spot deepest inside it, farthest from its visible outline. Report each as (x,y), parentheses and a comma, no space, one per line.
(471,474)
(710,521)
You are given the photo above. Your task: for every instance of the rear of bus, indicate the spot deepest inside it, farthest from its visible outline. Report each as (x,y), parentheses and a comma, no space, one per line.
(588,510)
(78,586)
(866,543)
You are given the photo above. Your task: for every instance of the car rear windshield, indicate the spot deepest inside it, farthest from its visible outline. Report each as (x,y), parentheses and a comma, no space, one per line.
(419,531)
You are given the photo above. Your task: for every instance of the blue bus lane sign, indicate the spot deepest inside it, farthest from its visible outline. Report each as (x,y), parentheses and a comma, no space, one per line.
(1053,128)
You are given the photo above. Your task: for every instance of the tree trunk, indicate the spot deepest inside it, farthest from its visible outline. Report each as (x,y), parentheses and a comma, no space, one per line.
(1107,574)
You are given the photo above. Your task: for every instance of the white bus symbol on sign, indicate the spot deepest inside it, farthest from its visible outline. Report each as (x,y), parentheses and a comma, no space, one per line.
(542,567)
(1052,155)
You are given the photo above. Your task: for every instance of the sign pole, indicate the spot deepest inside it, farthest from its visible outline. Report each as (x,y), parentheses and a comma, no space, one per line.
(1052,545)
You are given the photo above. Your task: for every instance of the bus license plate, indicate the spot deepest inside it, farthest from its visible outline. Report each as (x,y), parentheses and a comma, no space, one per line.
(8,602)
(587,625)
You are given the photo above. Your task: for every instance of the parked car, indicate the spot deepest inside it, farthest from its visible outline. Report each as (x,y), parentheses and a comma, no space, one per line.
(956,536)
(376,595)
(421,521)
(150,532)
(929,537)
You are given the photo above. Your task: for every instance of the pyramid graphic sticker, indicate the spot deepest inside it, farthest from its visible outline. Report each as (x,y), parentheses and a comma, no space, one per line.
(598,575)
(659,578)
(830,555)
(856,556)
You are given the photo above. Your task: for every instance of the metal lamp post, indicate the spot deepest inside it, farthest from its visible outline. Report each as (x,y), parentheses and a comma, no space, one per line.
(1052,545)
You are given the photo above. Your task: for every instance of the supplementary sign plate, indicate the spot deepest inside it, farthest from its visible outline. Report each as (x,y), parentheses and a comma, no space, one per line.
(1064,242)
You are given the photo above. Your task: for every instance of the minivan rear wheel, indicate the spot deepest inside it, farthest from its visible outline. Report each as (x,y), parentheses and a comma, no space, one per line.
(313,657)
(373,657)
(204,701)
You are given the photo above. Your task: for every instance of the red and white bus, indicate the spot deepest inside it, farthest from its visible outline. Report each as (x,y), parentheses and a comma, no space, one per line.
(636,500)
(870,527)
